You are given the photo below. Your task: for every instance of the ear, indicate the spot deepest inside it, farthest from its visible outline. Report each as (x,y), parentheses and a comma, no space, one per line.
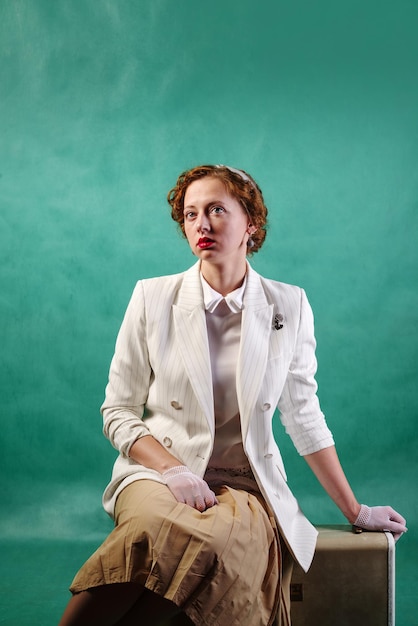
(251,229)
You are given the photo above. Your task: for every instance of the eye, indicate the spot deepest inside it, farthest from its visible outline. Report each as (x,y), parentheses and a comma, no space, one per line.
(217,209)
(189,215)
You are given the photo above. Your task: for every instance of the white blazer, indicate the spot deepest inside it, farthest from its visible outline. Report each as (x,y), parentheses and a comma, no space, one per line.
(160,383)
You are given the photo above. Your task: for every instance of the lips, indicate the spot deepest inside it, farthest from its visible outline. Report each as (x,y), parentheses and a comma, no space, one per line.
(205,242)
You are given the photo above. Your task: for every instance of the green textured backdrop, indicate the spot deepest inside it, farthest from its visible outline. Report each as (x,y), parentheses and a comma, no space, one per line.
(103,103)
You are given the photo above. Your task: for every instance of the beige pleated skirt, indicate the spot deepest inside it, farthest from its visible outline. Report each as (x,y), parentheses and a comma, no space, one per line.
(224,567)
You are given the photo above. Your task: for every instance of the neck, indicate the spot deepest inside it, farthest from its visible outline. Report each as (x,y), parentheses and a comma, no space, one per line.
(223,280)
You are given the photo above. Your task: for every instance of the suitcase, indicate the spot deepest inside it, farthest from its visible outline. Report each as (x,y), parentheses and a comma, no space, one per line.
(351,581)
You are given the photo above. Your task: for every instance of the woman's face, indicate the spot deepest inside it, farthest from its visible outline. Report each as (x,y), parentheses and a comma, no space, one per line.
(215,224)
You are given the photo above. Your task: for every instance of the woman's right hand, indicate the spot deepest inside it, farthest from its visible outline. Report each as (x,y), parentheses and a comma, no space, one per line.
(189,488)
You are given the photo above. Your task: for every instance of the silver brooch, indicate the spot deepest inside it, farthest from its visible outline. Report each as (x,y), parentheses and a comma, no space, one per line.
(278,321)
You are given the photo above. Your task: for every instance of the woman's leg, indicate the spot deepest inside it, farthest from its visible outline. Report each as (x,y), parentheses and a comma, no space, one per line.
(154,609)
(120,603)
(181,620)
(101,606)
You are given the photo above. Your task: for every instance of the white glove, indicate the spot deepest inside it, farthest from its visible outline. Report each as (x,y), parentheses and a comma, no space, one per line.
(188,488)
(382,518)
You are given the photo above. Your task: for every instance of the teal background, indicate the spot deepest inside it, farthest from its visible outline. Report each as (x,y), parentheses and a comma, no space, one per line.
(102,104)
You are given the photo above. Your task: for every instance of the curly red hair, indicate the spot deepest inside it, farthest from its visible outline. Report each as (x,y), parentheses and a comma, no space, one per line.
(238,183)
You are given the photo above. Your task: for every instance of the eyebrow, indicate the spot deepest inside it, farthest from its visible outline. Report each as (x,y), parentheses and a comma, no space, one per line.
(193,206)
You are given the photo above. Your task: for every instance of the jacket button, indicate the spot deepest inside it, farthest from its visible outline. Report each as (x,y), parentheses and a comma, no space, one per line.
(167,442)
(266,406)
(268,456)
(176,405)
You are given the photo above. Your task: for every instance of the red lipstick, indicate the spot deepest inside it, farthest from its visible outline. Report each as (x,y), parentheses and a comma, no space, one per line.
(205,242)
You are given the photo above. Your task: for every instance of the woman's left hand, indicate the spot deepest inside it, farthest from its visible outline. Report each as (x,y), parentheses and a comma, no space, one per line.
(188,488)
(382,518)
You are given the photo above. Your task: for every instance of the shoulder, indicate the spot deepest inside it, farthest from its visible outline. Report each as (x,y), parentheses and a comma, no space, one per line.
(162,289)
(288,300)
(277,286)
(161,282)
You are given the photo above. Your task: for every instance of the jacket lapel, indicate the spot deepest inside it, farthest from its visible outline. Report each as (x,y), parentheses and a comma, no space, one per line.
(255,338)
(192,340)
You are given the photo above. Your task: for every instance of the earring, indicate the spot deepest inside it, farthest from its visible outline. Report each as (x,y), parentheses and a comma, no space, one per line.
(250,242)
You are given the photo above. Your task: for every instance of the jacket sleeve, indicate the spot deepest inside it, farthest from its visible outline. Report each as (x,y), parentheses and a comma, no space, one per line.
(129,378)
(299,407)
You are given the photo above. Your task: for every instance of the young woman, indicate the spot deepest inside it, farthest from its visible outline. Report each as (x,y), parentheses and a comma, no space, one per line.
(206,528)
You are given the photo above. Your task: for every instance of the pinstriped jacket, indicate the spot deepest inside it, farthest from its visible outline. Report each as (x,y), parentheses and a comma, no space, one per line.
(160,384)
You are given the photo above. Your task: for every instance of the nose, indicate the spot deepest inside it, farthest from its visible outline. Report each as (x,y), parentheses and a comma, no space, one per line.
(202,222)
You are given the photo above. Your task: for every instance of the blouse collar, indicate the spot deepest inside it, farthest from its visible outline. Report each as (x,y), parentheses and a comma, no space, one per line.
(212,298)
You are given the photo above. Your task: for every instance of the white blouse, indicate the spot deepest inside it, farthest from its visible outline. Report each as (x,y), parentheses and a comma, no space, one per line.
(223,320)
